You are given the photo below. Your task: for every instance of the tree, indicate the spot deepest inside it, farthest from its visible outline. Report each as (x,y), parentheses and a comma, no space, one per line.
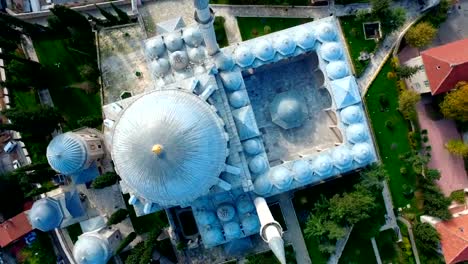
(395,19)
(24,74)
(266,29)
(117,217)
(417,160)
(420,35)
(406,103)
(432,175)
(405,72)
(105,180)
(427,238)
(372,178)
(40,251)
(56,25)
(88,72)
(351,207)
(38,122)
(457,147)
(111,19)
(10,191)
(123,17)
(70,18)
(380,8)
(454,104)
(13,22)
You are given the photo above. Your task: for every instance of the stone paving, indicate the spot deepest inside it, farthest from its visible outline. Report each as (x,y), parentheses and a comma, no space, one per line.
(376,251)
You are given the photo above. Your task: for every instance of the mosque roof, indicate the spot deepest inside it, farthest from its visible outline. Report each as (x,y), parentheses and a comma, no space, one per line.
(226,212)
(155,47)
(46,214)
(337,70)
(232,230)
(192,36)
(322,165)
(288,109)
(91,249)
(263,50)
(212,236)
(244,56)
(160,67)
(342,158)
(258,164)
(170,25)
(86,175)
(331,51)
(232,80)
(250,223)
(239,98)
(244,205)
(352,114)
(168,140)
(252,146)
(173,41)
(179,60)
(281,177)
(223,62)
(302,171)
(67,153)
(305,38)
(245,122)
(357,133)
(363,153)
(345,91)
(197,54)
(284,45)
(206,217)
(326,32)
(262,185)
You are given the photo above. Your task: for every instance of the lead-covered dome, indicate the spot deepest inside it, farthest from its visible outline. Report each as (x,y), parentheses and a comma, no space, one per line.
(250,223)
(232,230)
(322,165)
(205,217)
(45,215)
(160,67)
(281,177)
(154,47)
(331,51)
(362,153)
(263,50)
(305,38)
(226,212)
(67,153)
(239,98)
(197,54)
(342,158)
(224,62)
(179,60)
(262,185)
(302,172)
(337,70)
(91,249)
(244,56)
(232,80)
(244,205)
(252,146)
(351,114)
(258,164)
(288,110)
(173,41)
(284,44)
(212,236)
(326,32)
(168,140)
(357,133)
(192,36)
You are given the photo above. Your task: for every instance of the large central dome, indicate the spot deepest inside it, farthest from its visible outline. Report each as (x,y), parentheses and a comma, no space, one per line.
(169,147)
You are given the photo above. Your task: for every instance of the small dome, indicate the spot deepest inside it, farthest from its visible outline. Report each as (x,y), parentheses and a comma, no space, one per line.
(205,217)
(155,47)
(284,45)
(192,36)
(179,60)
(91,249)
(302,171)
(250,224)
(244,56)
(262,185)
(362,153)
(232,230)
(213,236)
(263,50)
(357,133)
(326,32)
(244,205)
(281,177)
(331,51)
(197,54)
(305,39)
(45,215)
(67,153)
(173,41)
(322,165)
(337,70)
(160,67)
(351,114)
(258,164)
(252,146)
(226,212)
(232,80)
(238,99)
(342,158)
(224,62)
(288,110)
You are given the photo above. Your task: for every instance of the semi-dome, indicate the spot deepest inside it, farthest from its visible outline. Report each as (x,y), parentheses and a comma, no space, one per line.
(326,32)
(322,165)
(362,153)
(232,230)
(244,56)
(224,62)
(342,158)
(67,153)
(212,236)
(262,185)
(45,214)
(351,114)
(197,54)
(263,50)
(160,67)
(173,41)
(226,212)
(331,51)
(205,217)
(168,140)
(258,164)
(192,36)
(337,70)
(232,80)
(284,44)
(179,60)
(305,38)
(244,205)
(91,249)
(154,47)
(288,110)
(281,177)
(357,133)
(239,99)
(252,146)
(302,171)
(250,224)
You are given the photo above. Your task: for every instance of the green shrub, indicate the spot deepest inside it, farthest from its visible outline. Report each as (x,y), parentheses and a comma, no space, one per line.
(138,74)
(126,242)
(403,171)
(424,132)
(105,180)
(266,29)
(383,100)
(389,124)
(90,121)
(458,196)
(117,217)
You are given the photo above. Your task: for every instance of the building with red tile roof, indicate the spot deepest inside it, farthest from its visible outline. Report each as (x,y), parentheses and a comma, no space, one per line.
(14,229)
(454,239)
(446,65)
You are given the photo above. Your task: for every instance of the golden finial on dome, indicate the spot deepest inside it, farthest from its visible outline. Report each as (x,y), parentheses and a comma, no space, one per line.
(157,149)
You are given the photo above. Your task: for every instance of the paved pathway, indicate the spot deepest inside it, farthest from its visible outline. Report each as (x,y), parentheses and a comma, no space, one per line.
(411,236)
(376,251)
(339,247)
(294,233)
(390,219)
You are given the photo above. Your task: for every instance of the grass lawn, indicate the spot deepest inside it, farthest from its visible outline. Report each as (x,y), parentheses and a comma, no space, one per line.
(27,100)
(252,27)
(354,35)
(358,251)
(391,143)
(148,222)
(263,2)
(74,231)
(387,247)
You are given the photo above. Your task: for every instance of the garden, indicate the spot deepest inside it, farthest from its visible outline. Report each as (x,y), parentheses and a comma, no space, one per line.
(252,27)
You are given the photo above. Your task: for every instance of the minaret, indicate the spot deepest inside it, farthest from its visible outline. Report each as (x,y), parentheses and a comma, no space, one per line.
(270,230)
(205,18)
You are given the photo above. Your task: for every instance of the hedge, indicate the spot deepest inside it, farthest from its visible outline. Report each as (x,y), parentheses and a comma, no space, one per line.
(117,217)
(126,242)
(105,180)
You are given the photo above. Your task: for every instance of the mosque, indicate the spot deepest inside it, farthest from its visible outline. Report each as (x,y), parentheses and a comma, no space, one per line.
(218,132)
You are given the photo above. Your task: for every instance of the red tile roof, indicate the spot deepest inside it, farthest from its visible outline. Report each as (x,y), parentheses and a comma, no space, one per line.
(454,239)
(446,65)
(14,228)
